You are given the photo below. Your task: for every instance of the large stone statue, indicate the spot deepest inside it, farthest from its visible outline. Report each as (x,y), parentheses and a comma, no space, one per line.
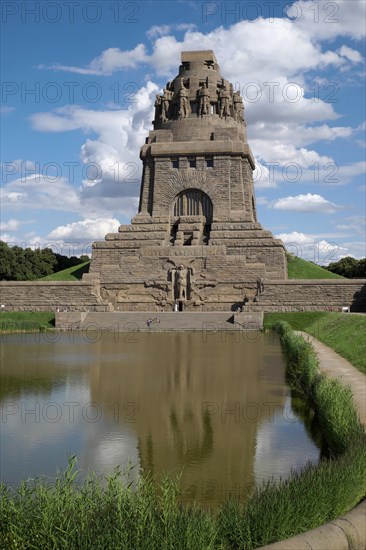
(181,281)
(158,106)
(165,104)
(238,107)
(183,103)
(224,100)
(204,101)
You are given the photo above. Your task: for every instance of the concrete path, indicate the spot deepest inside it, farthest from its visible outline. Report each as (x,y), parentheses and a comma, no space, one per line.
(336,366)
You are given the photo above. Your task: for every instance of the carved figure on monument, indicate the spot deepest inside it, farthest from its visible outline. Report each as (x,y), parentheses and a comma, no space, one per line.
(224,99)
(204,99)
(181,278)
(165,99)
(260,286)
(158,107)
(238,107)
(183,109)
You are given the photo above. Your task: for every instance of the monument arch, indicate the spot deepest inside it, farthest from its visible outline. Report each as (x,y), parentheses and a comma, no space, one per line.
(193,202)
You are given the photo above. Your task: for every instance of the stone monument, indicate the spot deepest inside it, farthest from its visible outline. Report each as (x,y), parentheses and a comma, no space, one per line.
(195,243)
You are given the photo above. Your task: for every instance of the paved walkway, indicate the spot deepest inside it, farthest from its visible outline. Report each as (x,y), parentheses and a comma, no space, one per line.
(336,366)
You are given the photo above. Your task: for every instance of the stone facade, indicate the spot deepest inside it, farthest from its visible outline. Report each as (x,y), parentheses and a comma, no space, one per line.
(285,295)
(195,243)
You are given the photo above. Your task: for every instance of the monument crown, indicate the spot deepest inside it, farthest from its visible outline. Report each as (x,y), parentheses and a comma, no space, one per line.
(199,90)
(195,242)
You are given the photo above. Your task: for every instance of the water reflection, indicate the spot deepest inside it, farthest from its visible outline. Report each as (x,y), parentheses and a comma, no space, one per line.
(214,408)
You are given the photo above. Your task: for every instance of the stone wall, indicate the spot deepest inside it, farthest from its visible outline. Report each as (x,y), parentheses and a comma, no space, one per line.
(313,295)
(50,296)
(294,295)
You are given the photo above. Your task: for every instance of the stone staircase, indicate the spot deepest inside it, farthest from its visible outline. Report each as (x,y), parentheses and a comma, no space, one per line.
(137,321)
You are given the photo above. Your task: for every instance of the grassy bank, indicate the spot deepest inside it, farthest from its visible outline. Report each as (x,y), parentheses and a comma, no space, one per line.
(344,333)
(74,273)
(26,321)
(297,268)
(118,514)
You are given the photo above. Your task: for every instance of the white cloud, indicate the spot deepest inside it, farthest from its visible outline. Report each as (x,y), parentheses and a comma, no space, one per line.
(10,225)
(161,30)
(296,50)
(350,54)
(349,171)
(297,134)
(109,61)
(285,154)
(114,188)
(261,201)
(325,20)
(313,248)
(39,192)
(87,229)
(263,177)
(305,203)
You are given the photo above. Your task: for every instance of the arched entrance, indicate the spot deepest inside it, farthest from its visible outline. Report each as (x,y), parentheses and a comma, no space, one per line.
(193,202)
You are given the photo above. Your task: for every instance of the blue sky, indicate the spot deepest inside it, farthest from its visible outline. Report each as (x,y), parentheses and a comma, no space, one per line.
(79,83)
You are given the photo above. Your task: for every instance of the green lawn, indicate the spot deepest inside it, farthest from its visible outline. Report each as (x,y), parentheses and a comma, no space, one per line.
(301,269)
(70,274)
(342,332)
(15,321)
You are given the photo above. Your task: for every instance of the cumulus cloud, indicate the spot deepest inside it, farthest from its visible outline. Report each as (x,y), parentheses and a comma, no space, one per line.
(297,134)
(353,55)
(87,229)
(305,203)
(161,30)
(113,184)
(326,20)
(285,154)
(296,49)
(349,171)
(10,225)
(39,192)
(109,61)
(313,248)
(263,177)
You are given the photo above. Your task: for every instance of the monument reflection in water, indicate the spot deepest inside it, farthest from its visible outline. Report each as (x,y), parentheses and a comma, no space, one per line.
(213,407)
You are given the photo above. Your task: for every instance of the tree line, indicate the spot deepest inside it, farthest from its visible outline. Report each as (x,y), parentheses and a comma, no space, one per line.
(349,267)
(25,264)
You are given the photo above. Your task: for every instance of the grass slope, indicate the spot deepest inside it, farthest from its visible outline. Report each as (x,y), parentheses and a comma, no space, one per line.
(25,321)
(342,332)
(301,269)
(70,274)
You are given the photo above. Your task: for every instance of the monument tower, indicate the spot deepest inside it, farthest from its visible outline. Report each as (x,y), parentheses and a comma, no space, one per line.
(195,243)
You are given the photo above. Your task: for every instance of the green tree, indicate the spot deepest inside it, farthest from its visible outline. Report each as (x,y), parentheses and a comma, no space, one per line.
(7,261)
(361,269)
(346,267)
